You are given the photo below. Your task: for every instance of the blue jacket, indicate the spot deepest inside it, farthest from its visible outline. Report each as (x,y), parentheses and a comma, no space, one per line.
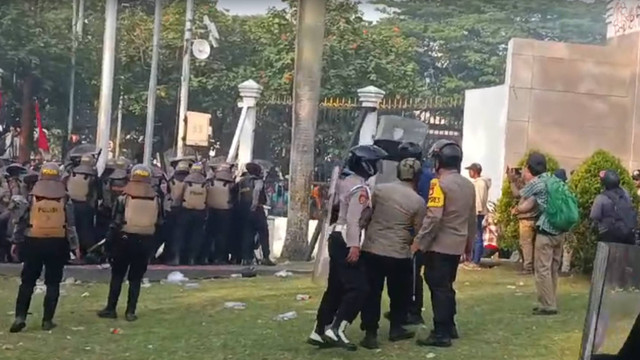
(425,181)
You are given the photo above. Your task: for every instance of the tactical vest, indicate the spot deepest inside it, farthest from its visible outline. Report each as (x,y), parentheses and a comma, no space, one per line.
(195,196)
(47,219)
(140,216)
(177,189)
(245,190)
(218,195)
(78,187)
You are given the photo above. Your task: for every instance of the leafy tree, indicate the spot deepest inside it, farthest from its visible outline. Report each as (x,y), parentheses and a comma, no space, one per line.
(463,43)
(585,184)
(510,233)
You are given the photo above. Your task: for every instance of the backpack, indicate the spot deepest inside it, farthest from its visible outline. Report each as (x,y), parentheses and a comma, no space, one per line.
(562,207)
(625,217)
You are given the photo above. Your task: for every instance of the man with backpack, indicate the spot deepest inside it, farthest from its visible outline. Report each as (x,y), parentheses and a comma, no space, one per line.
(557,214)
(613,212)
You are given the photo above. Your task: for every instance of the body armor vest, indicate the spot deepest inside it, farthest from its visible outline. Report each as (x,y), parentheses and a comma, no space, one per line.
(245,190)
(47,219)
(177,189)
(195,196)
(78,187)
(140,215)
(218,195)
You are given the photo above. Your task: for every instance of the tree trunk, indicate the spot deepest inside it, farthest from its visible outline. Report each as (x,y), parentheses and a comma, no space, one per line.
(26,120)
(306,97)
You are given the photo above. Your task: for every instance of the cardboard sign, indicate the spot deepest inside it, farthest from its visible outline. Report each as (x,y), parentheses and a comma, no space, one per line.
(197,129)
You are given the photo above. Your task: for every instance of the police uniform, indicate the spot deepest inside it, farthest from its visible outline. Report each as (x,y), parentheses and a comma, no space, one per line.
(163,232)
(397,209)
(251,201)
(189,228)
(448,231)
(175,189)
(220,206)
(45,234)
(113,181)
(130,240)
(82,188)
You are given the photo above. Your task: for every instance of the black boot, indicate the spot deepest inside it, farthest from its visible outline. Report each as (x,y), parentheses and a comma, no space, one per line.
(336,336)
(132,301)
(267,262)
(370,340)
(315,338)
(50,305)
(398,333)
(18,325)
(109,312)
(435,340)
(414,319)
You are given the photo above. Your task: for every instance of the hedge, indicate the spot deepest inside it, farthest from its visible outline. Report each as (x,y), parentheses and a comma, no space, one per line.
(510,234)
(585,184)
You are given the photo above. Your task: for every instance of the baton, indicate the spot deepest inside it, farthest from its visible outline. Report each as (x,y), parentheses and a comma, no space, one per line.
(413,260)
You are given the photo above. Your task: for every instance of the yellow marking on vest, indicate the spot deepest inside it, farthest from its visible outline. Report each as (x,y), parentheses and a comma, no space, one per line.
(436,196)
(50,172)
(141,173)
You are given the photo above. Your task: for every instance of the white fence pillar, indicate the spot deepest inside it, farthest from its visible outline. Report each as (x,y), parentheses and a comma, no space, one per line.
(250,92)
(369,97)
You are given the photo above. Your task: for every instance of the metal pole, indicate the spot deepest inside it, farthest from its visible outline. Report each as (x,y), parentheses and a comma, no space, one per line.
(106,85)
(119,126)
(80,23)
(72,87)
(153,82)
(184,81)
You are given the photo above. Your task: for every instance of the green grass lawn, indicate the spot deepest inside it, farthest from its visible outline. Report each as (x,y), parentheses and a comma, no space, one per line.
(177,323)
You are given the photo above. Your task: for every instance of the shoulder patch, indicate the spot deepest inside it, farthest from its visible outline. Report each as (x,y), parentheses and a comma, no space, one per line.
(436,195)
(363,197)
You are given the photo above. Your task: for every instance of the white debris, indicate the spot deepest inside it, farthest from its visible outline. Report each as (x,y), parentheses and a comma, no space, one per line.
(80,328)
(511,287)
(521,283)
(176,277)
(7,347)
(431,355)
(104,266)
(286,316)
(302,297)
(236,276)
(235,305)
(191,285)
(283,274)
(69,281)
(146,283)
(39,289)
(84,295)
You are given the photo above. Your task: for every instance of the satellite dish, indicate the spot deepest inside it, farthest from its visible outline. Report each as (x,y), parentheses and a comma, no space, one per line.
(201,49)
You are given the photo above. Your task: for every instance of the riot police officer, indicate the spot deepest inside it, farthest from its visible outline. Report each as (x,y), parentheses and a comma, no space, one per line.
(447,233)
(347,286)
(130,239)
(386,251)
(112,185)
(45,234)
(176,190)
(189,227)
(251,201)
(219,204)
(82,187)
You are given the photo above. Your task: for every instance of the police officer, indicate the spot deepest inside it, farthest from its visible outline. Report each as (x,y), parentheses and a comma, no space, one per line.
(252,198)
(163,232)
(189,227)
(219,204)
(176,190)
(397,209)
(45,234)
(82,187)
(130,239)
(347,285)
(447,233)
(112,183)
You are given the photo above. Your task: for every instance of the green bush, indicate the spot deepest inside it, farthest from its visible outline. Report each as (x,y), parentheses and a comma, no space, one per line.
(508,223)
(585,184)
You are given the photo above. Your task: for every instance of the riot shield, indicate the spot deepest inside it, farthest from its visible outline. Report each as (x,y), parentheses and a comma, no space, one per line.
(392,131)
(612,324)
(321,266)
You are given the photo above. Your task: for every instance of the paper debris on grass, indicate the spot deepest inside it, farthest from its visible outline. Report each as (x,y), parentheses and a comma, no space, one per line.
(431,355)
(235,305)
(283,274)
(191,285)
(176,277)
(69,281)
(511,287)
(302,297)
(521,283)
(286,316)
(80,328)
(84,295)
(236,276)
(7,347)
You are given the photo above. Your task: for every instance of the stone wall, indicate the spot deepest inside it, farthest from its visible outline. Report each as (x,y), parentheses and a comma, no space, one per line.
(570,100)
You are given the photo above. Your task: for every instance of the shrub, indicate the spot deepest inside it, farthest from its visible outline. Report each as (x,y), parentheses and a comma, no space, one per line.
(509,234)
(585,184)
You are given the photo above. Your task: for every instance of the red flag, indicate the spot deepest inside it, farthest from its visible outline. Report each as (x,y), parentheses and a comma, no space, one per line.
(43,143)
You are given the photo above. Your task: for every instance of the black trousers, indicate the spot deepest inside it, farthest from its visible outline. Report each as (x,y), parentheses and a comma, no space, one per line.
(129,257)
(218,225)
(85,226)
(51,254)
(255,223)
(188,235)
(347,286)
(398,274)
(416,300)
(631,348)
(440,273)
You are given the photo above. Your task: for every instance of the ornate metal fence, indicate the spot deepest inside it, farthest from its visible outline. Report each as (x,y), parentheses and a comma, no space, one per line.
(337,121)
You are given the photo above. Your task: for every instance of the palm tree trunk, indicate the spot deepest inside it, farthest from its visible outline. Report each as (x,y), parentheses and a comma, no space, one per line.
(306,97)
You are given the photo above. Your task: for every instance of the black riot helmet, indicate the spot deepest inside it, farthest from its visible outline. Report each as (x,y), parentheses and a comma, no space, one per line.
(410,150)
(363,160)
(446,154)
(609,179)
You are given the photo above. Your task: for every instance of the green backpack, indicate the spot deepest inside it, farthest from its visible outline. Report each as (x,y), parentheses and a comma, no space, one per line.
(562,207)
